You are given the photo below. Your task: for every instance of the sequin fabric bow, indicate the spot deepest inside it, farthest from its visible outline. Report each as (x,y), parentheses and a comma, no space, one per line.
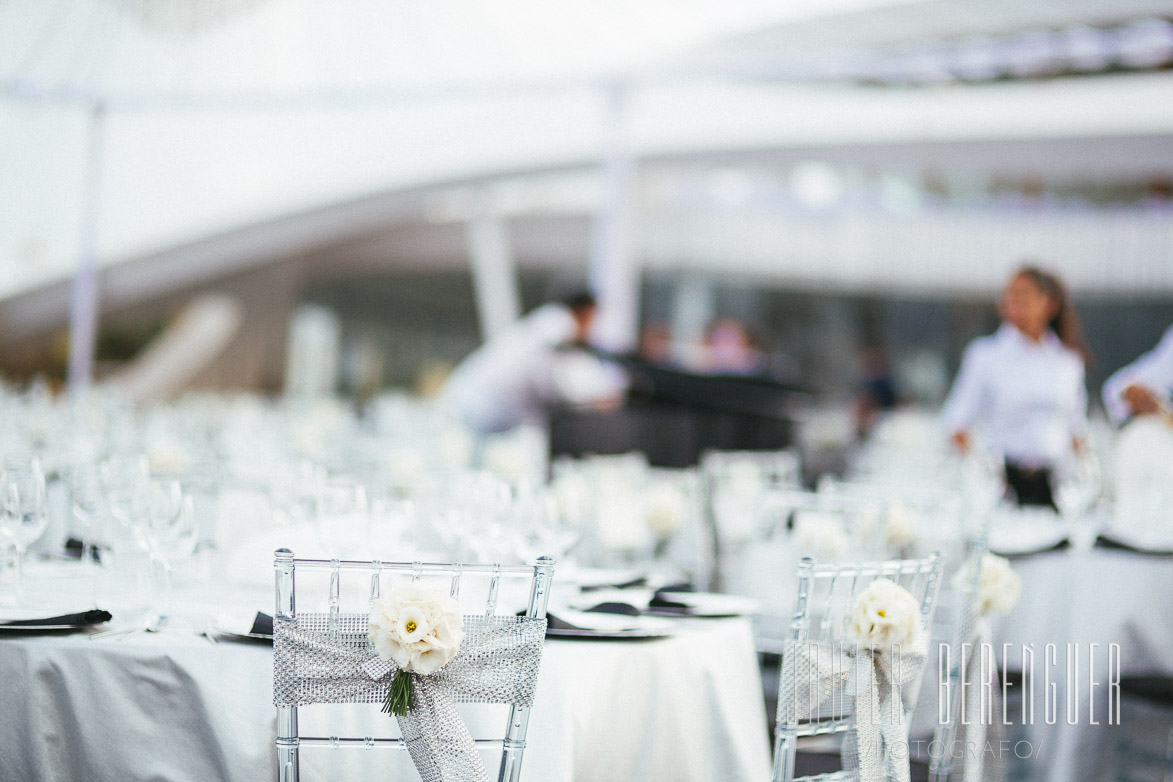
(837,682)
(981,725)
(498,662)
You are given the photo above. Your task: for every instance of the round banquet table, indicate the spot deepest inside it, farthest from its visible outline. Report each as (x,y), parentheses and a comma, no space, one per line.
(1080,597)
(173,705)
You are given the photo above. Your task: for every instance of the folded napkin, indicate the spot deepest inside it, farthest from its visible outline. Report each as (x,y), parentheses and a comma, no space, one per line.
(1116,544)
(605,624)
(632,584)
(74,548)
(1061,545)
(94,616)
(625,609)
(262,625)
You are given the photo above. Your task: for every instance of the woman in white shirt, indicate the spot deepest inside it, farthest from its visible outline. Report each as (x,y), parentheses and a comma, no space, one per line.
(1025,383)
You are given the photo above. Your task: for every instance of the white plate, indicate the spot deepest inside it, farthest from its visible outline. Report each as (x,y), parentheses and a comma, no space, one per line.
(710,604)
(603,623)
(238,625)
(615,635)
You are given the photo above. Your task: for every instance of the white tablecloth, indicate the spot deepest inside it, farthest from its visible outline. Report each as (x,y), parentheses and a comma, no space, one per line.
(1079,598)
(173,706)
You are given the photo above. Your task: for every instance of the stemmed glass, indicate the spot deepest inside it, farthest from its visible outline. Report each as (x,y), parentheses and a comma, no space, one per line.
(89,501)
(126,485)
(23,518)
(170,530)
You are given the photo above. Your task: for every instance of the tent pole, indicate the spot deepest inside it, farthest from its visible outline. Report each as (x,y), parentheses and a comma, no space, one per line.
(83,304)
(614,274)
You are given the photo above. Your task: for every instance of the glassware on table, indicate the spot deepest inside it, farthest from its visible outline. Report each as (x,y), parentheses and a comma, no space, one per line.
(89,502)
(125,554)
(1079,485)
(171,532)
(23,516)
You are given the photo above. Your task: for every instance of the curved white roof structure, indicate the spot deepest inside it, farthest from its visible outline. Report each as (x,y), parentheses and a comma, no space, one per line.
(228,121)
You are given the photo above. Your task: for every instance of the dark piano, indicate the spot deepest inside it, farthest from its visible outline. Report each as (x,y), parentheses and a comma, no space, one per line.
(674,416)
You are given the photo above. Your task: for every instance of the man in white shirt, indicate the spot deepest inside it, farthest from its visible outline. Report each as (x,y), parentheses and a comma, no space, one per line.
(516,377)
(1144,386)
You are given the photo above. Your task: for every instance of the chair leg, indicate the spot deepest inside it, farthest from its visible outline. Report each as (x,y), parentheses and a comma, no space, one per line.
(287,745)
(287,766)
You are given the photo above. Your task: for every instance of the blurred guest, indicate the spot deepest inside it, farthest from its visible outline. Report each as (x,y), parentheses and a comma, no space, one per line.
(877,391)
(518,376)
(1144,386)
(655,344)
(1026,384)
(728,350)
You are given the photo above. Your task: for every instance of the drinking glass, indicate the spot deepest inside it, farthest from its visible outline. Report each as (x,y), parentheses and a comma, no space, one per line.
(89,502)
(23,517)
(171,532)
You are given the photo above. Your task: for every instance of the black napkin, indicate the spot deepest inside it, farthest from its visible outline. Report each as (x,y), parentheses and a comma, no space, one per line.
(1062,545)
(554,623)
(632,584)
(1115,544)
(94,616)
(262,625)
(626,609)
(74,548)
(662,604)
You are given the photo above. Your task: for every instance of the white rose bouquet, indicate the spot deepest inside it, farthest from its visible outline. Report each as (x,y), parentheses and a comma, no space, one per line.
(999,587)
(418,628)
(885,614)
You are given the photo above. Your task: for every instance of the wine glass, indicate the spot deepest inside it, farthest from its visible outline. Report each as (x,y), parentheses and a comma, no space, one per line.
(171,531)
(23,517)
(89,501)
(125,482)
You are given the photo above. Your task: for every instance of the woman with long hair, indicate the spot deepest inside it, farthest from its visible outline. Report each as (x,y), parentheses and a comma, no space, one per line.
(1026,384)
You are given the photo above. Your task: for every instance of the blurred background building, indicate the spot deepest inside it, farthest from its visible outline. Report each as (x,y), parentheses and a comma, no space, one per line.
(384,184)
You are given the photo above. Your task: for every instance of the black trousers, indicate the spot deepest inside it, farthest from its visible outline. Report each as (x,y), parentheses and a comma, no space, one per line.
(1031,485)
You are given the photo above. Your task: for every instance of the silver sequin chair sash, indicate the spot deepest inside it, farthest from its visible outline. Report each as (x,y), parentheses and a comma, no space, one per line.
(498,662)
(872,681)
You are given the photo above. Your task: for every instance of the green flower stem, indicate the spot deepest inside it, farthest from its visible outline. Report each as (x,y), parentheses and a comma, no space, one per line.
(400,695)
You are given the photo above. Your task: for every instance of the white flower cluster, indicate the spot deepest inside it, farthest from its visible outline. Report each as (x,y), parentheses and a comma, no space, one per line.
(999,586)
(885,615)
(665,509)
(900,527)
(418,627)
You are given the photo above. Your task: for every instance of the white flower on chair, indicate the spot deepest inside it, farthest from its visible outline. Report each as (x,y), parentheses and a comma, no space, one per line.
(885,615)
(418,628)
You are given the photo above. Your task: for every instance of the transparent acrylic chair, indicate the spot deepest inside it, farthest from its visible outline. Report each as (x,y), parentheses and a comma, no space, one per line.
(348,627)
(826,595)
(734,485)
(958,629)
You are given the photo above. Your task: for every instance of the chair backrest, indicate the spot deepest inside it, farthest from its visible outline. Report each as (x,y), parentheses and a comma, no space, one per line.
(958,628)
(504,587)
(824,602)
